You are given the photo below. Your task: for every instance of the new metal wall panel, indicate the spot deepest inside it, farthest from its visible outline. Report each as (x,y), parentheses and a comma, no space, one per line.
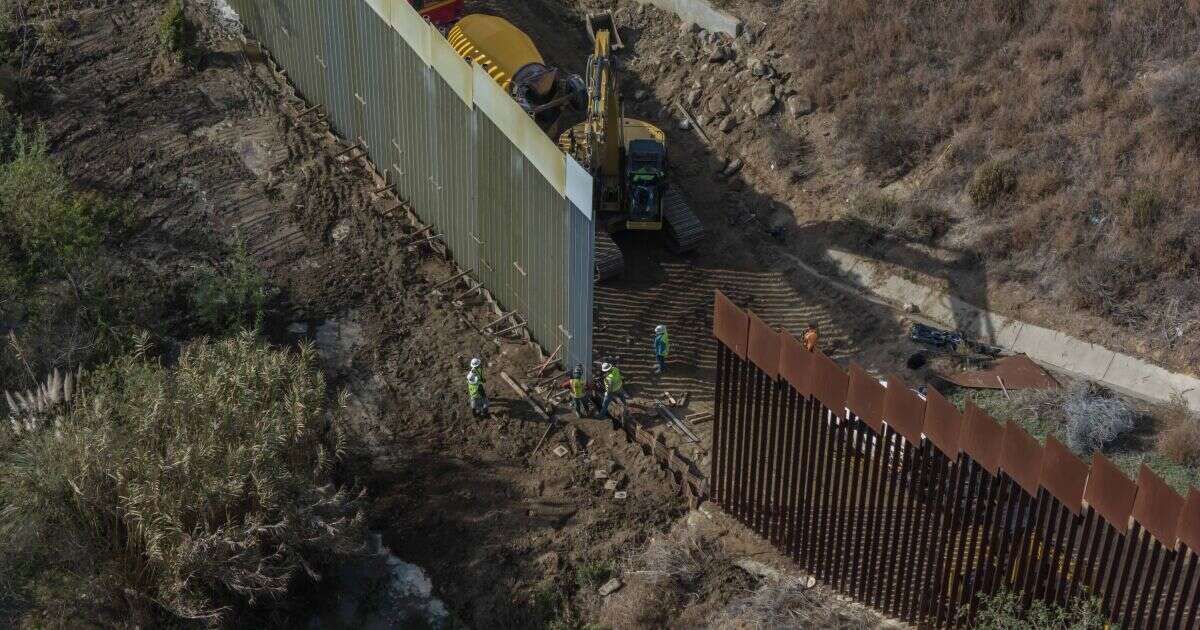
(335,64)
(512,209)
(309,60)
(580,254)
(377,128)
(354,53)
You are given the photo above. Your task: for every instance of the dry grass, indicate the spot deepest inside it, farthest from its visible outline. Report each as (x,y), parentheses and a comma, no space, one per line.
(1098,105)
(1179,441)
(158,496)
(992,180)
(668,574)
(789,604)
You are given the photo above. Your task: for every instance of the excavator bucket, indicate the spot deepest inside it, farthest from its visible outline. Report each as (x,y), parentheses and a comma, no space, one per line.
(604,21)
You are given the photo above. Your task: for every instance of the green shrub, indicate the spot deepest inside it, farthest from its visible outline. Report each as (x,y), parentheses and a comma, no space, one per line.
(593,574)
(52,230)
(190,493)
(175,32)
(923,222)
(885,138)
(1003,611)
(234,296)
(991,181)
(1140,209)
(875,209)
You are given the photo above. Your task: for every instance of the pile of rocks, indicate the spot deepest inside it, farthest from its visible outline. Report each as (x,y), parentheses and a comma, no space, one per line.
(732,80)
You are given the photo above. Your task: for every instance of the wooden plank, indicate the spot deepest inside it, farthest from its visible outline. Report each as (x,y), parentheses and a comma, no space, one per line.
(502,318)
(516,387)
(450,279)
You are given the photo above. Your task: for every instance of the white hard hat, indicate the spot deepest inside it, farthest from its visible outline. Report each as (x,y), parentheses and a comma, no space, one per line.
(476,362)
(472,378)
(660,329)
(604,367)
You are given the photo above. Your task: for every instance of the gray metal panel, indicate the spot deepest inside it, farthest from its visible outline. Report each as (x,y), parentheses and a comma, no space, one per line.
(376,128)
(492,204)
(358,56)
(409,98)
(580,252)
(335,66)
(501,217)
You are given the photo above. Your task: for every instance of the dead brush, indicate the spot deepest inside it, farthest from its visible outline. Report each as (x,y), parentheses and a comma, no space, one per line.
(1179,442)
(661,576)
(31,409)
(175,494)
(791,604)
(1094,419)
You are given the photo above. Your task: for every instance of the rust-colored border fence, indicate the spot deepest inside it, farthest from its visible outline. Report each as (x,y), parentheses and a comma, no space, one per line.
(916,509)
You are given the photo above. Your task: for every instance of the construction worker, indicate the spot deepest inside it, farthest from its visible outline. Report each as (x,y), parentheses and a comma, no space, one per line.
(614,387)
(810,337)
(477,370)
(479,401)
(662,346)
(578,390)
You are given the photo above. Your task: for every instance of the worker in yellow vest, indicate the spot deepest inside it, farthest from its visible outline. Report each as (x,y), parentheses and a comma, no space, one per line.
(479,401)
(614,387)
(578,389)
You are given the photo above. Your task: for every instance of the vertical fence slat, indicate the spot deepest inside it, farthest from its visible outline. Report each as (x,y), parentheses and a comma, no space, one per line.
(898,510)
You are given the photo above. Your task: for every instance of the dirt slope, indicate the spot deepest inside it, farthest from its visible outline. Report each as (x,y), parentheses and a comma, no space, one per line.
(1035,158)
(210,151)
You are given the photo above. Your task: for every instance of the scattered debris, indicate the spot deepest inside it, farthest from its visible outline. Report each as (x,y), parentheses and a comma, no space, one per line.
(676,423)
(950,340)
(691,120)
(1010,373)
(600,473)
(340,231)
(610,587)
(516,387)
(611,484)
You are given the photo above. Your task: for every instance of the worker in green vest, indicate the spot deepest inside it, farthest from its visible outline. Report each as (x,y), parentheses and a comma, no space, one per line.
(479,401)
(614,387)
(578,389)
(662,347)
(477,370)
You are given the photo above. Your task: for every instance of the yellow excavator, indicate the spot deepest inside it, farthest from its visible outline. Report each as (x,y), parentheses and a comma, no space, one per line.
(626,157)
(512,60)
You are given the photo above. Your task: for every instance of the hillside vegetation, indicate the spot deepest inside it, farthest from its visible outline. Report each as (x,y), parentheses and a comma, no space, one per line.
(1063,137)
(161,464)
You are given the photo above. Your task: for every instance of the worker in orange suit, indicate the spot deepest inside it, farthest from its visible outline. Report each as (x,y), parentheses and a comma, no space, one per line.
(810,338)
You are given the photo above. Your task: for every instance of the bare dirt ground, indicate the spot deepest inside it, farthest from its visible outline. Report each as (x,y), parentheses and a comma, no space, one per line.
(510,540)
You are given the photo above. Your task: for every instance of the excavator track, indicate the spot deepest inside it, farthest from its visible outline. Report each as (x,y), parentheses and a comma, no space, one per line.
(683,228)
(610,262)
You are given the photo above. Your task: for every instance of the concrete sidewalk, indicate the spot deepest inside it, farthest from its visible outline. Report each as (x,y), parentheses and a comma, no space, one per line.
(1121,372)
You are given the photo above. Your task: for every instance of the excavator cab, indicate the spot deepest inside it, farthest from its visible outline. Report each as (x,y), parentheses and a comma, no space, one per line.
(645,184)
